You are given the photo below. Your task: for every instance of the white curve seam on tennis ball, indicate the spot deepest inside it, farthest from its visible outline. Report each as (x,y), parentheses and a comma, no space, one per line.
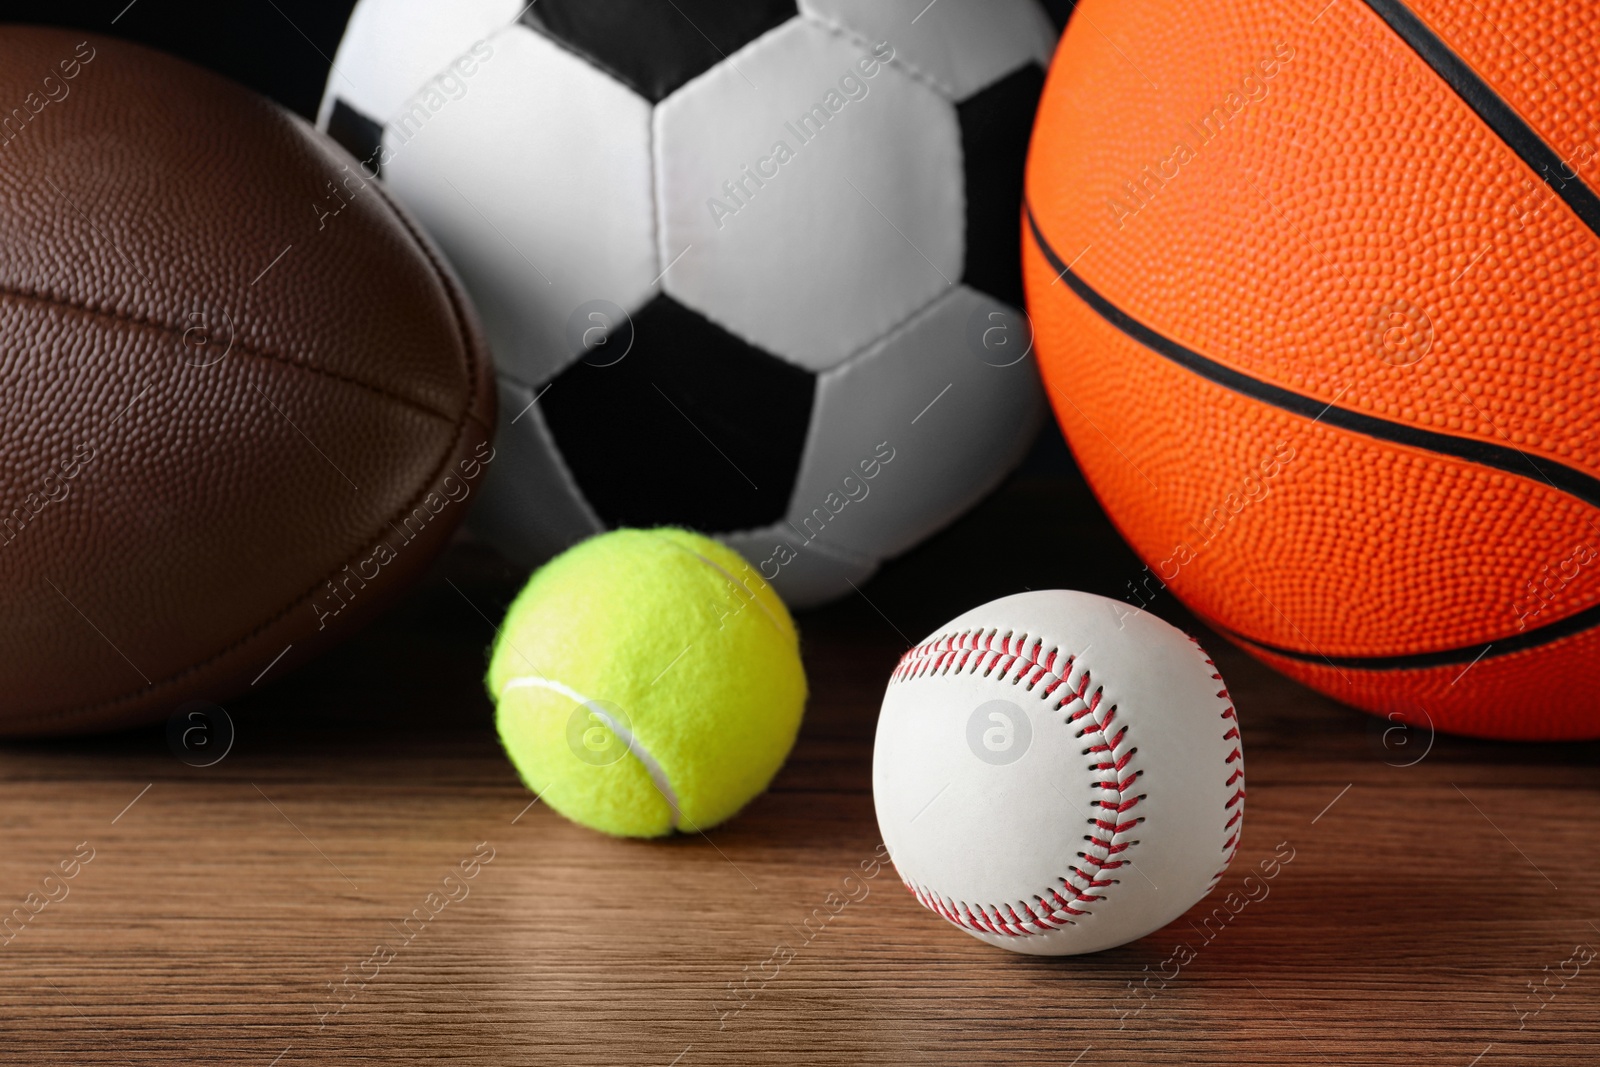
(714,565)
(658,774)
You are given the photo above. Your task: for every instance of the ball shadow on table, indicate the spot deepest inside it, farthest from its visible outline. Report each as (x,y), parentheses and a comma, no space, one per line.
(408,689)
(410,685)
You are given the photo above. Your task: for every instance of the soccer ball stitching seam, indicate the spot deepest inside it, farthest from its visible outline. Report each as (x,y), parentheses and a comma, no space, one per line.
(840,29)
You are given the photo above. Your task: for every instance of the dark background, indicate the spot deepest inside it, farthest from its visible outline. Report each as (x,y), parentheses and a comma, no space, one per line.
(278,47)
(1409,930)
(284,48)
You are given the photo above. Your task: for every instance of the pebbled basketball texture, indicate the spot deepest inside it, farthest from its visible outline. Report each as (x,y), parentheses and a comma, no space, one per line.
(242,401)
(1315,290)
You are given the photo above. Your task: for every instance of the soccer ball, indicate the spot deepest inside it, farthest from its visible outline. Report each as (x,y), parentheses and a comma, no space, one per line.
(746,266)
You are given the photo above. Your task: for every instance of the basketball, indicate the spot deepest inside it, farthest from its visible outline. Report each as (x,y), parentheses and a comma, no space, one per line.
(1314,291)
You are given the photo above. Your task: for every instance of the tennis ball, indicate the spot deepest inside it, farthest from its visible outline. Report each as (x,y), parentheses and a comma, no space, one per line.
(647,681)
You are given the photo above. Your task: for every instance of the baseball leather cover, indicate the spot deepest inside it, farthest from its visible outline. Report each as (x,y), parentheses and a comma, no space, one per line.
(242,400)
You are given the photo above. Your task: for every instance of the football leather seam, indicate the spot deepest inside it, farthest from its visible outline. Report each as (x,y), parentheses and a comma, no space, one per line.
(175,333)
(466,339)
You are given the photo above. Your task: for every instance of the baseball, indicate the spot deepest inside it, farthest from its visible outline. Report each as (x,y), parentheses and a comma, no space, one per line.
(1056,773)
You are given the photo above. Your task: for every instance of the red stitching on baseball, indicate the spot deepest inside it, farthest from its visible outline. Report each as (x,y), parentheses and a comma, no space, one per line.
(949,653)
(1018,660)
(1233,826)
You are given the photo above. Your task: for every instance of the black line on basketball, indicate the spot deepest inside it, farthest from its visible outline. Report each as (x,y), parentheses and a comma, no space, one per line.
(1576,623)
(1584,487)
(1500,116)
(1575,482)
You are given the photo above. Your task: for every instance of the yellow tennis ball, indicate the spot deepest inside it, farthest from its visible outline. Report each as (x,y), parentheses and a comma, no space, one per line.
(647,681)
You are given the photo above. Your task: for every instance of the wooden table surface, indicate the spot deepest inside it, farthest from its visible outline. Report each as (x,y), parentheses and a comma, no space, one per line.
(1441,905)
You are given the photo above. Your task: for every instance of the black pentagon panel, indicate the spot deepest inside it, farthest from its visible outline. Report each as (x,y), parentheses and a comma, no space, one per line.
(995,126)
(654,46)
(691,427)
(360,136)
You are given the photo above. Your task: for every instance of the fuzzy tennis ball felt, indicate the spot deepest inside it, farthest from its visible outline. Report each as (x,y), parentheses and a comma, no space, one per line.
(647,681)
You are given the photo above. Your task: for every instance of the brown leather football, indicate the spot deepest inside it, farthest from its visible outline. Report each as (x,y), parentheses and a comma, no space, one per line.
(242,399)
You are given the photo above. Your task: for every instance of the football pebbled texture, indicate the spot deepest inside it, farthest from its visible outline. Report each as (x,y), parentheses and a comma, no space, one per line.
(242,400)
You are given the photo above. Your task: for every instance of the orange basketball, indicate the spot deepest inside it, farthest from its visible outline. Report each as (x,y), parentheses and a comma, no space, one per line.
(1317,301)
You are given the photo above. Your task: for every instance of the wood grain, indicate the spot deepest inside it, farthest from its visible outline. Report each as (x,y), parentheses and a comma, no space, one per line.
(250,912)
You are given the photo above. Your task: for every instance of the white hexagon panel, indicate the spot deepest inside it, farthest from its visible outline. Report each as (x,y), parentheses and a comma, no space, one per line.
(536,226)
(811,230)
(719,248)
(902,438)
(393,48)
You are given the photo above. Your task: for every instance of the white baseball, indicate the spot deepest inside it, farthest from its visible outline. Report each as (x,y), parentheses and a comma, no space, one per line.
(1056,772)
